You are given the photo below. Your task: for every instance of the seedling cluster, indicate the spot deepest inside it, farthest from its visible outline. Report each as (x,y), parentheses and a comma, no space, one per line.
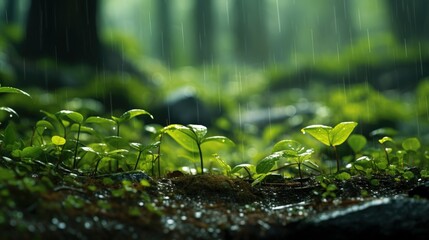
(69,142)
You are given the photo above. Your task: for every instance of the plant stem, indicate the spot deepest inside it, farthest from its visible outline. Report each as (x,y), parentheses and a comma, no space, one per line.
(300,173)
(138,158)
(117,129)
(201,158)
(75,148)
(337,157)
(159,156)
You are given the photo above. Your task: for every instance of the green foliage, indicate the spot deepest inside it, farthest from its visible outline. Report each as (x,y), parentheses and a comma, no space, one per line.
(192,137)
(294,154)
(331,136)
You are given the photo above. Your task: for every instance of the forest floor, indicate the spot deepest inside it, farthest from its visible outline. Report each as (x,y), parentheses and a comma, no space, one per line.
(184,206)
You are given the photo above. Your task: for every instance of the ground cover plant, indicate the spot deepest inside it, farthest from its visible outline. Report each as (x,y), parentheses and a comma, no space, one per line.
(74,164)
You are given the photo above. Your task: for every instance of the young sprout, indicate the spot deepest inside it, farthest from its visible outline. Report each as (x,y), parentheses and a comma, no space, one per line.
(191,137)
(386,149)
(59,142)
(331,136)
(293,152)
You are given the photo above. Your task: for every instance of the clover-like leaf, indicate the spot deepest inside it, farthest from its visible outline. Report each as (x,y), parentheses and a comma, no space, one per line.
(319,132)
(57,140)
(411,144)
(341,132)
(331,136)
(356,142)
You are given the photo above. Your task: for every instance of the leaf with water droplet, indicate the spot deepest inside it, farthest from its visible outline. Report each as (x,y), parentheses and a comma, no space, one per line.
(320,132)
(132,114)
(267,163)
(13,90)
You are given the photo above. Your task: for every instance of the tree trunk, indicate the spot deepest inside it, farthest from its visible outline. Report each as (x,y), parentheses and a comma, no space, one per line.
(409,19)
(204,31)
(164,42)
(64,30)
(251,31)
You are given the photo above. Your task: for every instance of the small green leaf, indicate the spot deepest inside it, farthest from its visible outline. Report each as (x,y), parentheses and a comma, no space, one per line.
(99,120)
(13,90)
(116,142)
(319,132)
(385,139)
(199,130)
(9,110)
(182,135)
(267,163)
(341,132)
(250,167)
(357,142)
(31,152)
(411,144)
(44,124)
(57,140)
(288,145)
(219,139)
(131,114)
(72,116)
(343,176)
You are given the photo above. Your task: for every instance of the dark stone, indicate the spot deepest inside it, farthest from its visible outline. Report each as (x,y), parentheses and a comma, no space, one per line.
(379,219)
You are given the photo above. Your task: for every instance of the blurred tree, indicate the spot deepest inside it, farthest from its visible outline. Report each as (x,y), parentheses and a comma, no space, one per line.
(251,34)
(204,31)
(63,30)
(164,31)
(409,19)
(9,11)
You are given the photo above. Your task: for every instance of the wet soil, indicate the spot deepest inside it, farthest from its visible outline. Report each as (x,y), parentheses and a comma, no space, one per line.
(180,206)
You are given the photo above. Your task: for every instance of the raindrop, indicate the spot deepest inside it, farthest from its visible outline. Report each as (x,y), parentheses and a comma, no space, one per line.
(198,214)
(278,16)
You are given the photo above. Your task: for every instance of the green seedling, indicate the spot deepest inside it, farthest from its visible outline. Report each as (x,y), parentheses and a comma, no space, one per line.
(383,141)
(128,115)
(145,149)
(331,136)
(73,118)
(101,153)
(191,137)
(290,150)
(249,168)
(411,145)
(59,142)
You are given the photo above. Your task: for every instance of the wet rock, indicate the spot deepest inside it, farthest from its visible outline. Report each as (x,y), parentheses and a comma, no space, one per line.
(378,219)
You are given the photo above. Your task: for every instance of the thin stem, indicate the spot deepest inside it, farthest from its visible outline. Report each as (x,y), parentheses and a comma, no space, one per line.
(138,158)
(117,129)
(337,157)
(159,156)
(75,148)
(300,173)
(201,158)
